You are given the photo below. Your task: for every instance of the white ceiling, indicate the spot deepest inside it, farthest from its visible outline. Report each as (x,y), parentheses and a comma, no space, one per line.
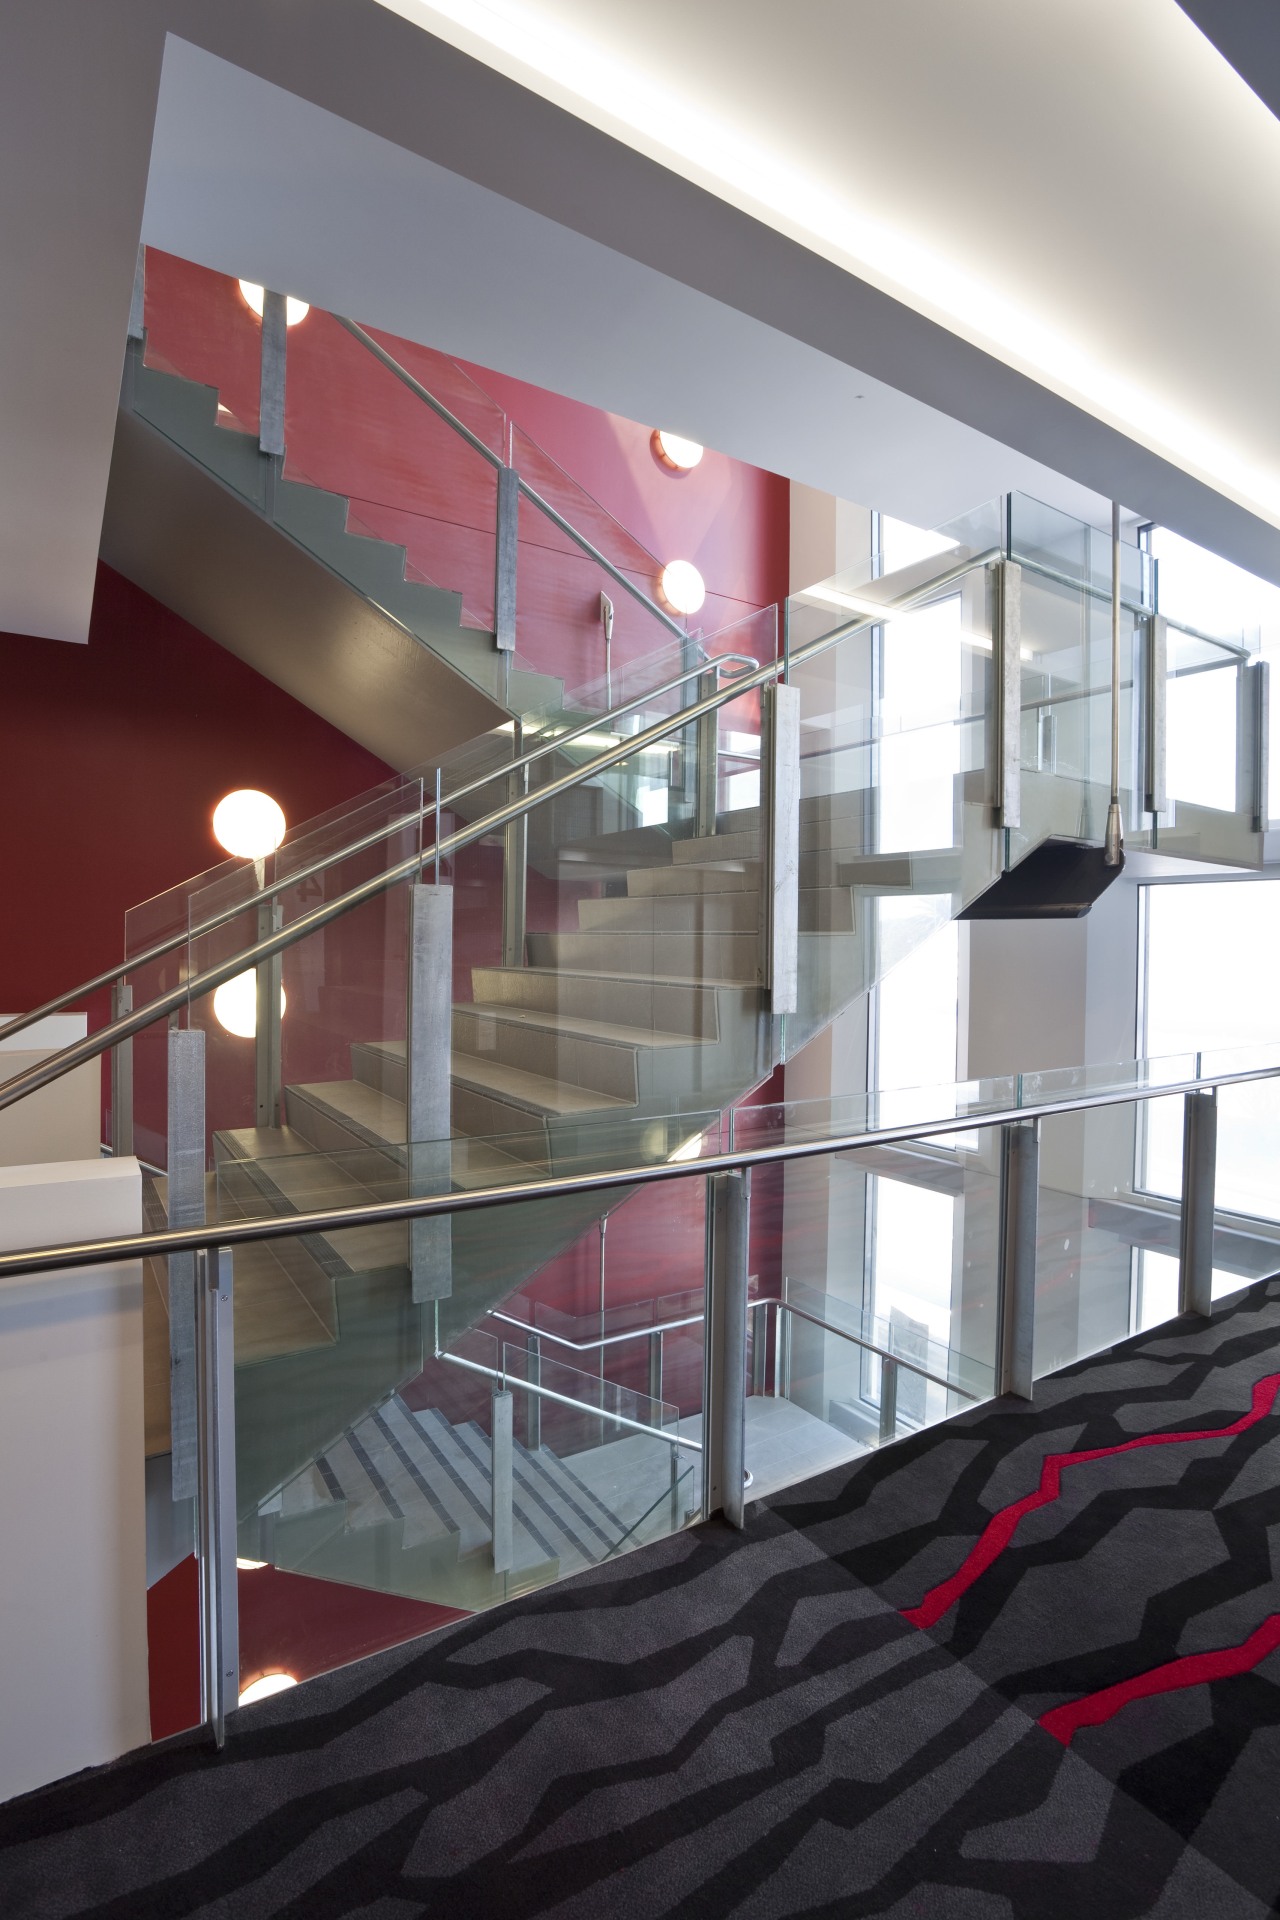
(1085,189)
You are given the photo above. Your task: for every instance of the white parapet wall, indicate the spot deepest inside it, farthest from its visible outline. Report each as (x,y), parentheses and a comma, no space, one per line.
(63,1121)
(73,1673)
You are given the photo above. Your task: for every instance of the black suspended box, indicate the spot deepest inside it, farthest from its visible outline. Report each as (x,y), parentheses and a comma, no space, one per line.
(1058,880)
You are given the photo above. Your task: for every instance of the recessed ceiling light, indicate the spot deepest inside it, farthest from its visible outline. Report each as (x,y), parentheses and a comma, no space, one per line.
(263,1688)
(248,823)
(675,451)
(683,587)
(255,299)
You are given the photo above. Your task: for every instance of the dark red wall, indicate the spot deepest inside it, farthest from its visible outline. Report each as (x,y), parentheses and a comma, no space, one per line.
(112,758)
(352,428)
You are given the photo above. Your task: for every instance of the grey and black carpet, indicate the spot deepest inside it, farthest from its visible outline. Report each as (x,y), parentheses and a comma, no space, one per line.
(1022,1667)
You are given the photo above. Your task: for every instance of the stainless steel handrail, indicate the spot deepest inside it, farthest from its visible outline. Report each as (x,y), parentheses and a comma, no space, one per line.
(843,1333)
(233,1233)
(11,1091)
(604,1340)
(566,1400)
(531,494)
(552,743)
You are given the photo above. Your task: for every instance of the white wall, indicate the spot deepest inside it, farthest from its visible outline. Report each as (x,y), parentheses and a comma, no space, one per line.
(73,1679)
(62,1121)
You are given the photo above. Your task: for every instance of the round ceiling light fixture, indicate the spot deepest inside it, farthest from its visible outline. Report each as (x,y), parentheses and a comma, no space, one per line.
(264,1687)
(235,1005)
(675,451)
(255,299)
(249,824)
(683,587)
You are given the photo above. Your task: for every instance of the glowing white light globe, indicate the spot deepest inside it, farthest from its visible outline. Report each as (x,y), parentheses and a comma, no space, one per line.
(677,451)
(264,1688)
(235,1005)
(249,824)
(255,299)
(683,586)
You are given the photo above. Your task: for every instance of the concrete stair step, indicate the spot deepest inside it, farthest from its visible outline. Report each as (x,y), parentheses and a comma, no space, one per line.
(727,957)
(690,882)
(681,1009)
(714,911)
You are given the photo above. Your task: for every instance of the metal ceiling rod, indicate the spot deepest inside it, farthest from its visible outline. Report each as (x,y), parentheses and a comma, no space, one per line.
(1113,842)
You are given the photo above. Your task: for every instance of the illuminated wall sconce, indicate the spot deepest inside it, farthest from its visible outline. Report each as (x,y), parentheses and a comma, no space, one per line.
(235,1005)
(248,824)
(682,586)
(675,451)
(255,299)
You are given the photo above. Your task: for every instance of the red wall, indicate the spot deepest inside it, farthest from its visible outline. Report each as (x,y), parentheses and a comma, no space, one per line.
(112,758)
(352,428)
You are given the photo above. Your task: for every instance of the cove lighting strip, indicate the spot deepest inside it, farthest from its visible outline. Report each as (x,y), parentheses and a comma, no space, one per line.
(675,130)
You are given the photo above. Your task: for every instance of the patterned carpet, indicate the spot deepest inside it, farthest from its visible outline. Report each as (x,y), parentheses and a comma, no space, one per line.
(1022,1667)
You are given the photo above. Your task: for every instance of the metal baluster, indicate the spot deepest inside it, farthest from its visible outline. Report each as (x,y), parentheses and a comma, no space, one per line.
(725,1361)
(428,1090)
(1019,1201)
(185,1197)
(267,1033)
(121,1076)
(888,1399)
(502,1482)
(1199,1175)
(216,1503)
(272,383)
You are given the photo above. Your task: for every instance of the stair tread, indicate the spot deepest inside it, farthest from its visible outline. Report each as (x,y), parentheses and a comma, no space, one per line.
(532,1090)
(576,1028)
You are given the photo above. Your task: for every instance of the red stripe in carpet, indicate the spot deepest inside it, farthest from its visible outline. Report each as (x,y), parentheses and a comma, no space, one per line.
(1192,1670)
(1000,1529)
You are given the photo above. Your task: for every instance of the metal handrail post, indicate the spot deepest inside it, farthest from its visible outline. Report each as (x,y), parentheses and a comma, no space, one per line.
(1199,1174)
(268,1082)
(121,1076)
(725,1362)
(216,1502)
(1016,1295)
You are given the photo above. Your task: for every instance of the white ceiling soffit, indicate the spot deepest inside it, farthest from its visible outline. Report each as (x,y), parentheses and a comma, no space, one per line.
(1083,189)
(252,180)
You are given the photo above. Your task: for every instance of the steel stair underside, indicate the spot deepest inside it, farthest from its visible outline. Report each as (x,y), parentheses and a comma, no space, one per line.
(324,612)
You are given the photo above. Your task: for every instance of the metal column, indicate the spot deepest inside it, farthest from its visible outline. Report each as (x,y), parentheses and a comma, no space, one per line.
(185,1193)
(121,1076)
(1008,658)
(1199,1171)
(515,863)
(780,863)
(1254,755)
(219,1608)
(1019,1198)
(506,553)
(707,749)
(1154,708)
(724,1397)
(502,1482)
(271,390)
(888,1400)
(266,1041)
(427,1082)
(533,1401)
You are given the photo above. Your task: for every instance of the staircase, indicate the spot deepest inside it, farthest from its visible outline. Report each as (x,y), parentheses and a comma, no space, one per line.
(413,1492)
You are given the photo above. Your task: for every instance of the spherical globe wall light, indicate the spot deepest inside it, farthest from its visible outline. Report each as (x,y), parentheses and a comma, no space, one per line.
(264,1687)
(249,824)
(675,451)
(255,299)
(235,1005)
(683,587)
